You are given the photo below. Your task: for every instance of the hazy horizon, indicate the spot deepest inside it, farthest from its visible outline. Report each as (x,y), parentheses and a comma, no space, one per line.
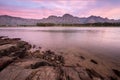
(38,9)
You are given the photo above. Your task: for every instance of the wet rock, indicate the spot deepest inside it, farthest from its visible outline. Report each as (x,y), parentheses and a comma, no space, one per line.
(15,73)
(2,37)
(71,74)
(5,61)
(27,62)
(78,65)
(93,61)
(14,48)
(23,44)
(82,73)
(27,46)
(82,57)
(3,53)
(44,73)
(93,74)
(13,51)
(113,78)
(117,72)
(20,53)
(39,64)
(61,73)
(5,42)
(16,39)
(36,54)
(6,50)
(67,73)
(69,78)
(40,47)
(34,46)
(51,57)
(36,51)
(6,38)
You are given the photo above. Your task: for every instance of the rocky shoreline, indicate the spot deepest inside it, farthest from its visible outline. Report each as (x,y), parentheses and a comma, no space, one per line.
(19,62)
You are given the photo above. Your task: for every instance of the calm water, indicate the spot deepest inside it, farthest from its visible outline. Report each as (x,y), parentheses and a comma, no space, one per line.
(104,41)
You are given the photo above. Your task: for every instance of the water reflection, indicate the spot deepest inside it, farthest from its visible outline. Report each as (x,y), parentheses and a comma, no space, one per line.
(96,40)
(53,29)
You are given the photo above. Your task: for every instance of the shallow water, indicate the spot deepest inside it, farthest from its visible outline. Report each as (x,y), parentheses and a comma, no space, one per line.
(101,41)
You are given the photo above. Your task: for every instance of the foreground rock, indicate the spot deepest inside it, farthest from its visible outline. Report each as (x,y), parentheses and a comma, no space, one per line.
(15,73)
(19,62)
(5,61)
(11,49)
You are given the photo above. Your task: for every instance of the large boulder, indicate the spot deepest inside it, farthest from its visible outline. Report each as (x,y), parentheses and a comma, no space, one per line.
(5,61)
(15,73)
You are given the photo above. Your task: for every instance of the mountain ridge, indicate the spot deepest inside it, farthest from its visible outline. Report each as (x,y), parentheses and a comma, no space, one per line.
(65,19)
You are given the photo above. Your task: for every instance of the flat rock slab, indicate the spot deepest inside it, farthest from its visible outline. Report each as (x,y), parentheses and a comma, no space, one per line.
(71,74)
(6,46)
(15,73)
(5,61)
(30,63)
(44,73)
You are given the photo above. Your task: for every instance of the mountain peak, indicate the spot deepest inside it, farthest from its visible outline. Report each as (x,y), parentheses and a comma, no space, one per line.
(5,16)
(67,15)
(52,16)
(92,16)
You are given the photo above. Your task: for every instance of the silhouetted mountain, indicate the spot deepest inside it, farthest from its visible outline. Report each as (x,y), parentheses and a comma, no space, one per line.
(65,19)
(9,20)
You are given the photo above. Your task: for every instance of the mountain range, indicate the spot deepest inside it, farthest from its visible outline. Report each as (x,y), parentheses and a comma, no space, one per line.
(65,19)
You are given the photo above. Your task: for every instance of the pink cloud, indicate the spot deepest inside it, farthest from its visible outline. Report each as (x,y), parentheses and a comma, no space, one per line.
(46,8)
(34,13)
(109,12)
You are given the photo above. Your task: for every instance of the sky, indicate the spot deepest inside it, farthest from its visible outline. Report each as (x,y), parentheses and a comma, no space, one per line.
(38,9)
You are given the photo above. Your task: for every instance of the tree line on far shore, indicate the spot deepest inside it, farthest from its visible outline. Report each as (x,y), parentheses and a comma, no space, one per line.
(106,24)
(87,24)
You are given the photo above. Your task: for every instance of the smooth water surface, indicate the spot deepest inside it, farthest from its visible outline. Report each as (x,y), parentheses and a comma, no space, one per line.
(102,41)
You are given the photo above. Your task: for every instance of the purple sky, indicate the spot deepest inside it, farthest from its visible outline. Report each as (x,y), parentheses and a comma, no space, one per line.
(43,8)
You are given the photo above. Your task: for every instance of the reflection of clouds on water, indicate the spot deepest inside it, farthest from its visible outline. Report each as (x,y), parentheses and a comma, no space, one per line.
(96,40)
(112,34)
(51,29)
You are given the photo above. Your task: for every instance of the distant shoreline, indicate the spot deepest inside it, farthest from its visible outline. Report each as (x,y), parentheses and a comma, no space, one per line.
(68,25)
(63,26)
